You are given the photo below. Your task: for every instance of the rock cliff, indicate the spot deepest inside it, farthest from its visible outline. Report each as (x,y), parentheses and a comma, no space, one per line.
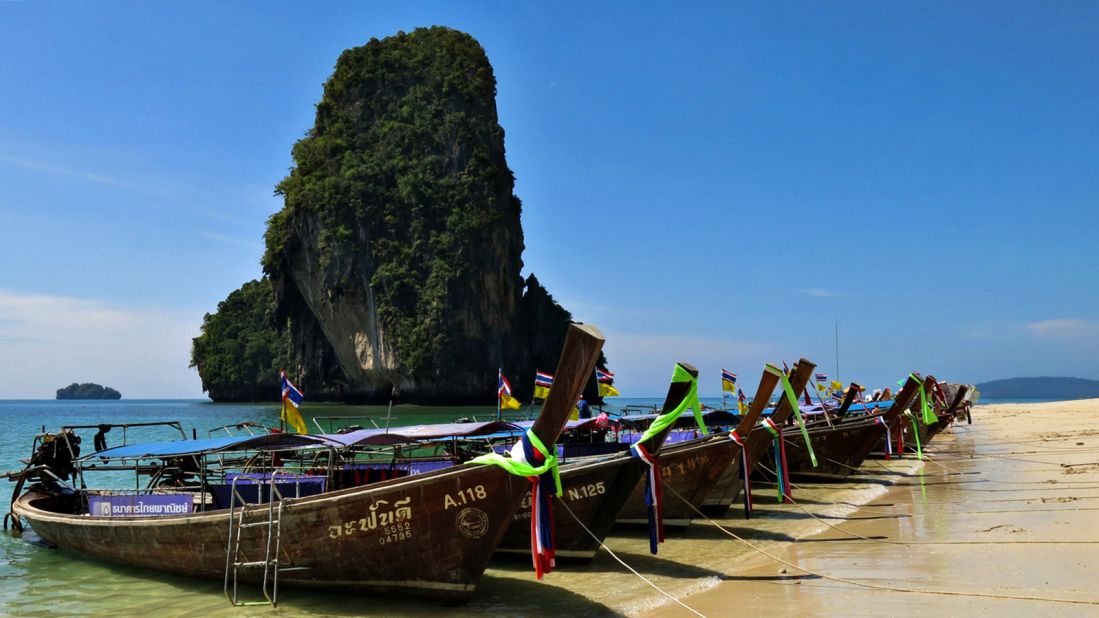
(396,258)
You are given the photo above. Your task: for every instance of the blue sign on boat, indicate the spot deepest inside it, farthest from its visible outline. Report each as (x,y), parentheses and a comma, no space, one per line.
(139,505)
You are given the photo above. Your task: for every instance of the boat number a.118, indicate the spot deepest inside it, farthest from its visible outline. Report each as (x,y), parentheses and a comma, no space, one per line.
(469,495)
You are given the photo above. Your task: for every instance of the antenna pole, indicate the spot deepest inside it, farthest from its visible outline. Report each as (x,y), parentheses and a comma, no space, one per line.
(838,352)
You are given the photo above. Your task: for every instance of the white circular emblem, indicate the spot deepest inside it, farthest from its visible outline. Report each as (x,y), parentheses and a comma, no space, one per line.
(472,522)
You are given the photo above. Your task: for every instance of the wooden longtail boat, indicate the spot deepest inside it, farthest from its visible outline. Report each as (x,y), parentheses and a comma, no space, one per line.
(959,405)
(595,489)
(693,468)
(731,482)
(428,535)
(842,448)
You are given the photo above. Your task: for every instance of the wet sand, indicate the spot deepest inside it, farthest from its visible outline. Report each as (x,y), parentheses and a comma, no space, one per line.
(1007,507)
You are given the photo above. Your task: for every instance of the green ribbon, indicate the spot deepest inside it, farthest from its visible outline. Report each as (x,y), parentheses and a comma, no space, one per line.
(928,414)
(915,432)
(523,468)
(793,399)
(662,422)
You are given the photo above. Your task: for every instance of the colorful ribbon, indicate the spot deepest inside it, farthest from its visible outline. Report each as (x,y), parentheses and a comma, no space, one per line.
(545,482)
(925,408)
(654,498)
(662,422)
(743,444)
(878,420)
(915,432)
(793,399)
(782,474)
(653,495)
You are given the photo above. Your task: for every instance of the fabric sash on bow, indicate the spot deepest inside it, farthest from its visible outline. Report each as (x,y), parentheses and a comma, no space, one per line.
(531,458)
(916,433)
(743,444)
(925,407)
(781,473)
(878,420)
(793,399)
(653,494)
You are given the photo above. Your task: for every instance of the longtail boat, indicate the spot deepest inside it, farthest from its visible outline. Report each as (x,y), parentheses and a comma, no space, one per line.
(693,468)
(595,489)
(841,448)
(757,441)
(912,435)
(429,535)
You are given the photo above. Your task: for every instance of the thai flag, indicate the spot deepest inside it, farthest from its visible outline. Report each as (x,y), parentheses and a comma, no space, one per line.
(822,377)
(740,395)
(542,378)
(505,386)
(728,376)
(290,393)
(602,375)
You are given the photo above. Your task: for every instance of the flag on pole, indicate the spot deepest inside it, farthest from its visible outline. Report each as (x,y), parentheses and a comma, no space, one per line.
(542,384)
(293,396)
(507,402)
(741,401)
(605,379)
(728,381)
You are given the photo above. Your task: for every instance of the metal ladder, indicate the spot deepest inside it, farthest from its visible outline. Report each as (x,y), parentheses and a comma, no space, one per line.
(271,565)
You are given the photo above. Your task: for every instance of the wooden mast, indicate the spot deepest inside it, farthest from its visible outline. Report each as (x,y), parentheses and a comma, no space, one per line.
(583,343)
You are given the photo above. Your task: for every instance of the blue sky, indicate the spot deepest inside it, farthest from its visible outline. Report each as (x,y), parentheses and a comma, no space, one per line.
(719,183)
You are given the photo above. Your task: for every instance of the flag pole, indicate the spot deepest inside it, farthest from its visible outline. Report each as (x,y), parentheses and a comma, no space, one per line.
(499,382)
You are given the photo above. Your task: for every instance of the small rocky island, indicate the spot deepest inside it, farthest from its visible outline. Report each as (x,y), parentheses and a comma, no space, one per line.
(393,271)
(87,391)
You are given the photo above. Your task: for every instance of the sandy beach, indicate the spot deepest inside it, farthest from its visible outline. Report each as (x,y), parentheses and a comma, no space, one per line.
(999,519)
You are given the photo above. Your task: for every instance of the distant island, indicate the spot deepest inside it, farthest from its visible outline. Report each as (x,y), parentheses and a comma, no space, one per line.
(1040,388)
(87,391)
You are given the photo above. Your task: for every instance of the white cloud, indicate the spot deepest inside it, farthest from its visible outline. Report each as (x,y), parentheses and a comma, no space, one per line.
(820,293)
(59,170)
(47,342)
(1065,328)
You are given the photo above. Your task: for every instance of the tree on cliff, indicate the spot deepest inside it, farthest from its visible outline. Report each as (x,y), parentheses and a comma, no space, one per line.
(396,259)
(238,354)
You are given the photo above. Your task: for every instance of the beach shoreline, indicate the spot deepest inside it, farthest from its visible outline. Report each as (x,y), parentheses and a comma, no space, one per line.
(996,520)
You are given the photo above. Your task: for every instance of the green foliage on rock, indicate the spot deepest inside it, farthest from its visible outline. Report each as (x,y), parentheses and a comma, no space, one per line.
(402,174)
(239,353)
(87,390)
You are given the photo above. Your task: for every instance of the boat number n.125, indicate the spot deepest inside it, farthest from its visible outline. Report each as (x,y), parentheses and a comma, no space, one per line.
(468,495)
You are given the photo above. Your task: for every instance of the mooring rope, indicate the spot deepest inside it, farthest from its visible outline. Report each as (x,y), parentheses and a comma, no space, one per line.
(603,545)
(852,582)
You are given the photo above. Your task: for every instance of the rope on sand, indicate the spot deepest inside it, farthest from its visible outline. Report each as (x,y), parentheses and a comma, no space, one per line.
(565,504)
(956,593)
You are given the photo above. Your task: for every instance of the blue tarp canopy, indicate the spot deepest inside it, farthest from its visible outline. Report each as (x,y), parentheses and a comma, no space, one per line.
(418,433)
(175,448)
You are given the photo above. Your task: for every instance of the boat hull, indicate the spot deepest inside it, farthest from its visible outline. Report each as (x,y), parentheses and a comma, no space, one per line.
(690,469)
(595,493)
(839,450)
(428,536)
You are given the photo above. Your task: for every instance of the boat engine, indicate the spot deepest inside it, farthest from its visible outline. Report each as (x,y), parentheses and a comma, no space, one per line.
(57,452)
